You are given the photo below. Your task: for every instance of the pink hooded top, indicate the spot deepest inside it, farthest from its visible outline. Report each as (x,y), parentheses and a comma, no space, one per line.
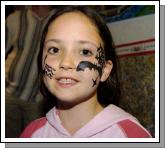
(112,122)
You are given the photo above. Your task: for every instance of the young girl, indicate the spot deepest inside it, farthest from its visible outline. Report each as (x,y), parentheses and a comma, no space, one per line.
(78,71)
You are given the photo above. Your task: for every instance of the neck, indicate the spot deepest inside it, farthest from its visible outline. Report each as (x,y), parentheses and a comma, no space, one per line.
(76,117)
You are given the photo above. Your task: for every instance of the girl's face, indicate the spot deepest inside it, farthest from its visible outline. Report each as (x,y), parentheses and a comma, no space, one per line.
(73,58)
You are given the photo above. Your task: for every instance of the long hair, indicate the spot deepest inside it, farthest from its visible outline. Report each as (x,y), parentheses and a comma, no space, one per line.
(109,91)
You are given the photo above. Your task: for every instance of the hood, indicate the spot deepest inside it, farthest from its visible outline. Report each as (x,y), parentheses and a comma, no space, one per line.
(103,120)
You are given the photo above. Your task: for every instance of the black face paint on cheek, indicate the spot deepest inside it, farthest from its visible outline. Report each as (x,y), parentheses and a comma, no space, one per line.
(100,56)
(94,82)
(48,70)
(86,64)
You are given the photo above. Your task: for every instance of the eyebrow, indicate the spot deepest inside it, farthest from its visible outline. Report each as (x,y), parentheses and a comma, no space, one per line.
(53,40)
(78,41)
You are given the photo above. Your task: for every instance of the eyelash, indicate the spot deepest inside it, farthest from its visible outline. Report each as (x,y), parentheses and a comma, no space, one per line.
(53,50)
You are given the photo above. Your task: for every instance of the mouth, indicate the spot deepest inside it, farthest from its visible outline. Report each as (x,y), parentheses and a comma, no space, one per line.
(66,82)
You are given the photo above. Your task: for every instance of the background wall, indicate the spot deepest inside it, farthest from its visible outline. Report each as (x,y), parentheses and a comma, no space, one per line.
(135,45)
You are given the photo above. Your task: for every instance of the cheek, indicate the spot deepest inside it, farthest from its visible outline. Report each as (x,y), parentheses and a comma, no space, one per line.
(87,73)
(48,68)
(50,61)
(90,77)
(47,83)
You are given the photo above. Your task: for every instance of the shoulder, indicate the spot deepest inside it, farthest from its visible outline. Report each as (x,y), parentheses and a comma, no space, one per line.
(14,15)
(133,129)
(13,22)
(128,125)
(32,127)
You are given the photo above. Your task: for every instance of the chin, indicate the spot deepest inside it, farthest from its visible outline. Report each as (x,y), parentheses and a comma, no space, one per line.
(67,103)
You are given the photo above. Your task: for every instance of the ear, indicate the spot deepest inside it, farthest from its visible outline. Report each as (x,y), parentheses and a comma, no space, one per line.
(107,70)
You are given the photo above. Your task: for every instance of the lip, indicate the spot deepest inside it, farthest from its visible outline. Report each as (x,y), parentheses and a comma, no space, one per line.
(66,82)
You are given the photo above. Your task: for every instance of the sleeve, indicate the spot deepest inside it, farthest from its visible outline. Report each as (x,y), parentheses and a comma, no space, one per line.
(32,127)
(133,130)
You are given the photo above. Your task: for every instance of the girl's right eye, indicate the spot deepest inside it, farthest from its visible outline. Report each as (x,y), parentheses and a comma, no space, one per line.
(53,50)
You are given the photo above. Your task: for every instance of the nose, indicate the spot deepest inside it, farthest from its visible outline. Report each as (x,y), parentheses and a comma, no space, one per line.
(67,62)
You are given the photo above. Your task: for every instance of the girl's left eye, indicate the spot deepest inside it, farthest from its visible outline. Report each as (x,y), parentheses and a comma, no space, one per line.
(86,52)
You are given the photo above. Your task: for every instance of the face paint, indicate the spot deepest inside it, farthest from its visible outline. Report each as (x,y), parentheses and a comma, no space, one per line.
(100,62)
(94,82)
(86,64)
(100,56)
(48,70)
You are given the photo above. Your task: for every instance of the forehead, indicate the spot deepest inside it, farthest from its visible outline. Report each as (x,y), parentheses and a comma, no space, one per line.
(74,17)
(73,25)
